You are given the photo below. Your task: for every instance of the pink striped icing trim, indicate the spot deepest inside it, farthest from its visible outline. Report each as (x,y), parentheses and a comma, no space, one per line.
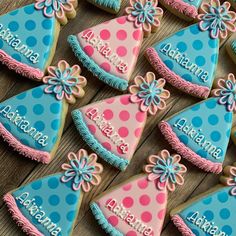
(182,7)
(33,154)
(19,67)
(186,152)
(20,219)
(182,227)
(174,79)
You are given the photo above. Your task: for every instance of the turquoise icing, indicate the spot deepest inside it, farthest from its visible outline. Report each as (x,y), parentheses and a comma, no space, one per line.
(195,3)
(217,207)
(33,29)
(57,200)
(210,119)
(43,112)
(113,4)
(198,47)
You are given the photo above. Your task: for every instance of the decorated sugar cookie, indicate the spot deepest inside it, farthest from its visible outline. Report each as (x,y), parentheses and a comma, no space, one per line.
(185,9)
(113,127)
(138,206)
(112,6)
(188,59)
(201,133)
(211,213)
(28,35)
(231,47)
(110,50)
(50,205)
(32,122)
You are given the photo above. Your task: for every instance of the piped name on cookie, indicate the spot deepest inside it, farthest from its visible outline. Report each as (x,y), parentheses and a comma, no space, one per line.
(138,206)
(50,205)
(188,58)
(113,127)
(32,122)
(110,50)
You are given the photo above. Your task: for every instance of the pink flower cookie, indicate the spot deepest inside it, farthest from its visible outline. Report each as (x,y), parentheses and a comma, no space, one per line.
(50,205)
(113,127)
(188,59)
(32,122)
(110,50)
(29,35)
(138,206)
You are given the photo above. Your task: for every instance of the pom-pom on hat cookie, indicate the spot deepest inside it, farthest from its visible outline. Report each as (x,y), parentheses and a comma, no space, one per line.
(110,50)
(33,121)
(211,213)
(113,127)
(50,205)
(138,206)
(28,35)
(111,6)
(201,133)
(188,58)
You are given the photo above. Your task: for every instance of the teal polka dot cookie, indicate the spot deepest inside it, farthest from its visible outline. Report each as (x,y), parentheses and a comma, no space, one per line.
(112,6)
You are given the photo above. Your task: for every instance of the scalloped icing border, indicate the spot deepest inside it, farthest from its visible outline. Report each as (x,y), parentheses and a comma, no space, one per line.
(104,76)
(20,219)
(174,79)
(93,143)
(20,68)
(182,227)
(186,152)
(31,153)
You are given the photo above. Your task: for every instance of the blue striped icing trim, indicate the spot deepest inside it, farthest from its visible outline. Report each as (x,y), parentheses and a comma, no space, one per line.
(108,156)
(106,77)
(102,221)
(233,46)
(112,4)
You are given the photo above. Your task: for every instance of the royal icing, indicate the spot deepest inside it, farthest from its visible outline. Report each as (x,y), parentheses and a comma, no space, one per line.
(112,6)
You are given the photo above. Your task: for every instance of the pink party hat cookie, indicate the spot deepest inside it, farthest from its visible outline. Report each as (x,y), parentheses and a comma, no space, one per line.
(28,35)
(110,50)
(50,205)
(112,6)
(138,206)
(32,122)
(201,133)
(113,127)
(211,213)
(188,58)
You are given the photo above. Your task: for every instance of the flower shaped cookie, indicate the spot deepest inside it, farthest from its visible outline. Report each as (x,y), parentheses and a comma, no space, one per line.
(166,170)
(230,178)
(83,170)
(149,93)
(226,91)
(145,14)
(217,19)
(65,82)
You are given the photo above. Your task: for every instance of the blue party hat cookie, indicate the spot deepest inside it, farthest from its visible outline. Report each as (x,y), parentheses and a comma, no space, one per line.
(50,205)
(211,213)
(188,58)
(112,6)
(32,122)
(28,35)
(201,133)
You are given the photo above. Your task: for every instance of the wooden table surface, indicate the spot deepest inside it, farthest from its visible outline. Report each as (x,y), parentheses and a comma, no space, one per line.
(16,170)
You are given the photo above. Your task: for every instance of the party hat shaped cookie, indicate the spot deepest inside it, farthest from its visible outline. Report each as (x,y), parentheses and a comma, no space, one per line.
(110,50)
(112,6)
(113,127)
(138,206)
(201,133)
(188,58)
(28,35)
(185,9)
(211,213)
(50,205)
(32,122)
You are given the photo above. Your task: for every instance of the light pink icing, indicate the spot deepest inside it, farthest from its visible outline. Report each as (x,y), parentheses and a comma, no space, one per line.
(172,78)
(36,155)
(19,67)
(21,220)
(186,152)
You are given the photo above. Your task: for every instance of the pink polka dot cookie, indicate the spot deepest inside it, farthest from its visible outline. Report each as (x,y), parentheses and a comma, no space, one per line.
(113,127)
(137,207)
(110,50)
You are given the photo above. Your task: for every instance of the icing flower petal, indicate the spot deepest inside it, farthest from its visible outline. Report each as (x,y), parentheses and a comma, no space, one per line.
(83,170)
